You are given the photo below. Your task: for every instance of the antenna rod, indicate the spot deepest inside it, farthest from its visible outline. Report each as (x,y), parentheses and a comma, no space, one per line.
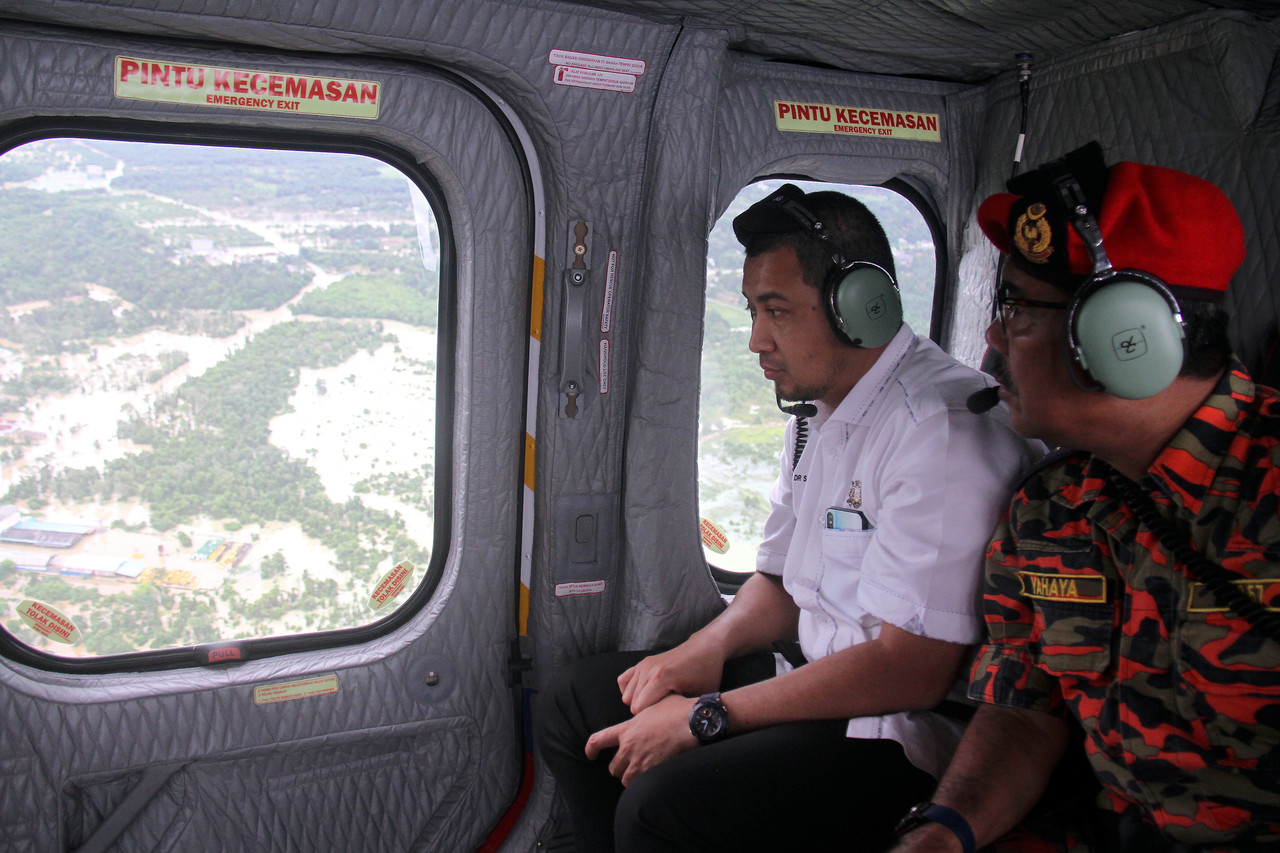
(1024,84)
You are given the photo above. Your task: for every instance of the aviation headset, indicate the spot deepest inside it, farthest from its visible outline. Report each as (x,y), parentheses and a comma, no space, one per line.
(1124,326)
(860,298)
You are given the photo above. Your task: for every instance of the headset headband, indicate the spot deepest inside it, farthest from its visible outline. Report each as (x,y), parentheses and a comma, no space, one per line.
(1082,218)
(812,224)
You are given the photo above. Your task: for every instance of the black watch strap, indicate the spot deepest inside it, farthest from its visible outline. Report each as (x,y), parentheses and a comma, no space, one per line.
(948,817)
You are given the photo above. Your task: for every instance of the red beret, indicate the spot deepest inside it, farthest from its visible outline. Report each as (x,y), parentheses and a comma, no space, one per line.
(1175,226)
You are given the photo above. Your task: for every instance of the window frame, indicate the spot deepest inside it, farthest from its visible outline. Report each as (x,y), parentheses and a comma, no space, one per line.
(214,135)
(940,315)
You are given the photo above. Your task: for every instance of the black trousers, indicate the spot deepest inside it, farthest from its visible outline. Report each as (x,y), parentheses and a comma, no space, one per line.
(797,786)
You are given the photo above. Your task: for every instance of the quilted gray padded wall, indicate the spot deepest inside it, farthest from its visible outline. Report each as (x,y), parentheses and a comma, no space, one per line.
(283,796)
(667,591)
(1202,96)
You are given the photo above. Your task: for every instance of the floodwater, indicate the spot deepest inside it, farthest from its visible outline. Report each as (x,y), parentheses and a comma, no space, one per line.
(376,416)
(372,415)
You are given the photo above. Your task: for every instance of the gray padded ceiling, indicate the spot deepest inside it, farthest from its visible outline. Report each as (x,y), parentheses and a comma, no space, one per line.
(961,40)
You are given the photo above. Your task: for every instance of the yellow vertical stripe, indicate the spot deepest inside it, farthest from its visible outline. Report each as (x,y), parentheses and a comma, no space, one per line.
(530,444)
(535,310)
(524,609)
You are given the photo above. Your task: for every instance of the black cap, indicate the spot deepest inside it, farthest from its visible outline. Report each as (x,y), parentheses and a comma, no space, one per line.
(780,212)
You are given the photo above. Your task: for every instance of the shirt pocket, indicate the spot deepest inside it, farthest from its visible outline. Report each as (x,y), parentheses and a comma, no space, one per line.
(843,552)
(1075,621)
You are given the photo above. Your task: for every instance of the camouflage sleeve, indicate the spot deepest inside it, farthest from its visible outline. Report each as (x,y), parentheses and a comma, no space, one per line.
(1004,671)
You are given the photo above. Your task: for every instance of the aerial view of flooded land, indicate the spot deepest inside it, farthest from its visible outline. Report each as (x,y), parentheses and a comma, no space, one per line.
(217,390)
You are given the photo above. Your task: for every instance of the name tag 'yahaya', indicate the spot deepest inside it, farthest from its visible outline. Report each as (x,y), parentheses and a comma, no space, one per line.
(1077,589)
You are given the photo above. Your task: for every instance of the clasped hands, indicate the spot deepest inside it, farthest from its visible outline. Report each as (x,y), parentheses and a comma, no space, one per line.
(659,692)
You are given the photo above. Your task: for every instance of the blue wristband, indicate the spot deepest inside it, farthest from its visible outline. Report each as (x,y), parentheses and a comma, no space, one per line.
(948,817)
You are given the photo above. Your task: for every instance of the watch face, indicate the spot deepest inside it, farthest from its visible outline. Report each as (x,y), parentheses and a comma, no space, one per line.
(707,721)
(910,820)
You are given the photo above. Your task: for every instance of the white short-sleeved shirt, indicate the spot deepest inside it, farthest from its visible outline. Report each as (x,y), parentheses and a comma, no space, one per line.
(932,479)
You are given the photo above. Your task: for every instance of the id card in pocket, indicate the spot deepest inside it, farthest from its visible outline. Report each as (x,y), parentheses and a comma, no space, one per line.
(840,518)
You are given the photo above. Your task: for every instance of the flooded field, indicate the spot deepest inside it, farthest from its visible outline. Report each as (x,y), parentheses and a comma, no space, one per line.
(358,433)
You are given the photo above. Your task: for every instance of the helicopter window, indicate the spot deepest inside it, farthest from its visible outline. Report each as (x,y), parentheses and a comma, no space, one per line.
(218,383)
(740,427)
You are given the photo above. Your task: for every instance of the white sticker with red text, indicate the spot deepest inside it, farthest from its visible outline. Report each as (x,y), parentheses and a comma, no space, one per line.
(595,71)
(610,280)
(390,585)
(48,621)
(579,588)
(713,536)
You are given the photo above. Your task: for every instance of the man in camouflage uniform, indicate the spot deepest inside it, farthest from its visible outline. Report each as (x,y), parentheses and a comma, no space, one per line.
(1091,620)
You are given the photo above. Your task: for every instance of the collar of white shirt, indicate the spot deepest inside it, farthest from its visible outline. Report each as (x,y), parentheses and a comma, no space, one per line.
(856,405)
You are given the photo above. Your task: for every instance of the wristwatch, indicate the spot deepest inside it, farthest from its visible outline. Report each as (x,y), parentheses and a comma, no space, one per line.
(709,719)
(923,813)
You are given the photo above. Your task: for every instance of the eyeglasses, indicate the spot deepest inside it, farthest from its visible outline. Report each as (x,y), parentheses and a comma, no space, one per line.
(1006,308)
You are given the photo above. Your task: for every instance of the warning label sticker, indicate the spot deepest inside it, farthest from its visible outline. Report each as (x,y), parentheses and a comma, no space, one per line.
(579,588)
(801,117)
(595,71)
(597,62)
(604,365)
(47,621)
(289,690)
(589,78)
(610,279)
(271,91)
(713,536)
(390,585)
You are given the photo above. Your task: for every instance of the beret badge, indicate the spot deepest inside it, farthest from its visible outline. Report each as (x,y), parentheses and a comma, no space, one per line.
(1032,234)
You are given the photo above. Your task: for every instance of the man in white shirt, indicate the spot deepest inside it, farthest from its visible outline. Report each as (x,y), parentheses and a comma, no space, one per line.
(888,491)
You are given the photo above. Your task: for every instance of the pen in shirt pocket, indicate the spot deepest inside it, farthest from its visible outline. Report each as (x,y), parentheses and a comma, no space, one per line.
(840,518)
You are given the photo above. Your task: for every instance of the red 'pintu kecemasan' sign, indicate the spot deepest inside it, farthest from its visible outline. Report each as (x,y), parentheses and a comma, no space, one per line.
(271,91)
(858,121)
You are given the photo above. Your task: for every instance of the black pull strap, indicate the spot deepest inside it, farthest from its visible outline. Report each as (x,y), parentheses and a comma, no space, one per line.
(149,783)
